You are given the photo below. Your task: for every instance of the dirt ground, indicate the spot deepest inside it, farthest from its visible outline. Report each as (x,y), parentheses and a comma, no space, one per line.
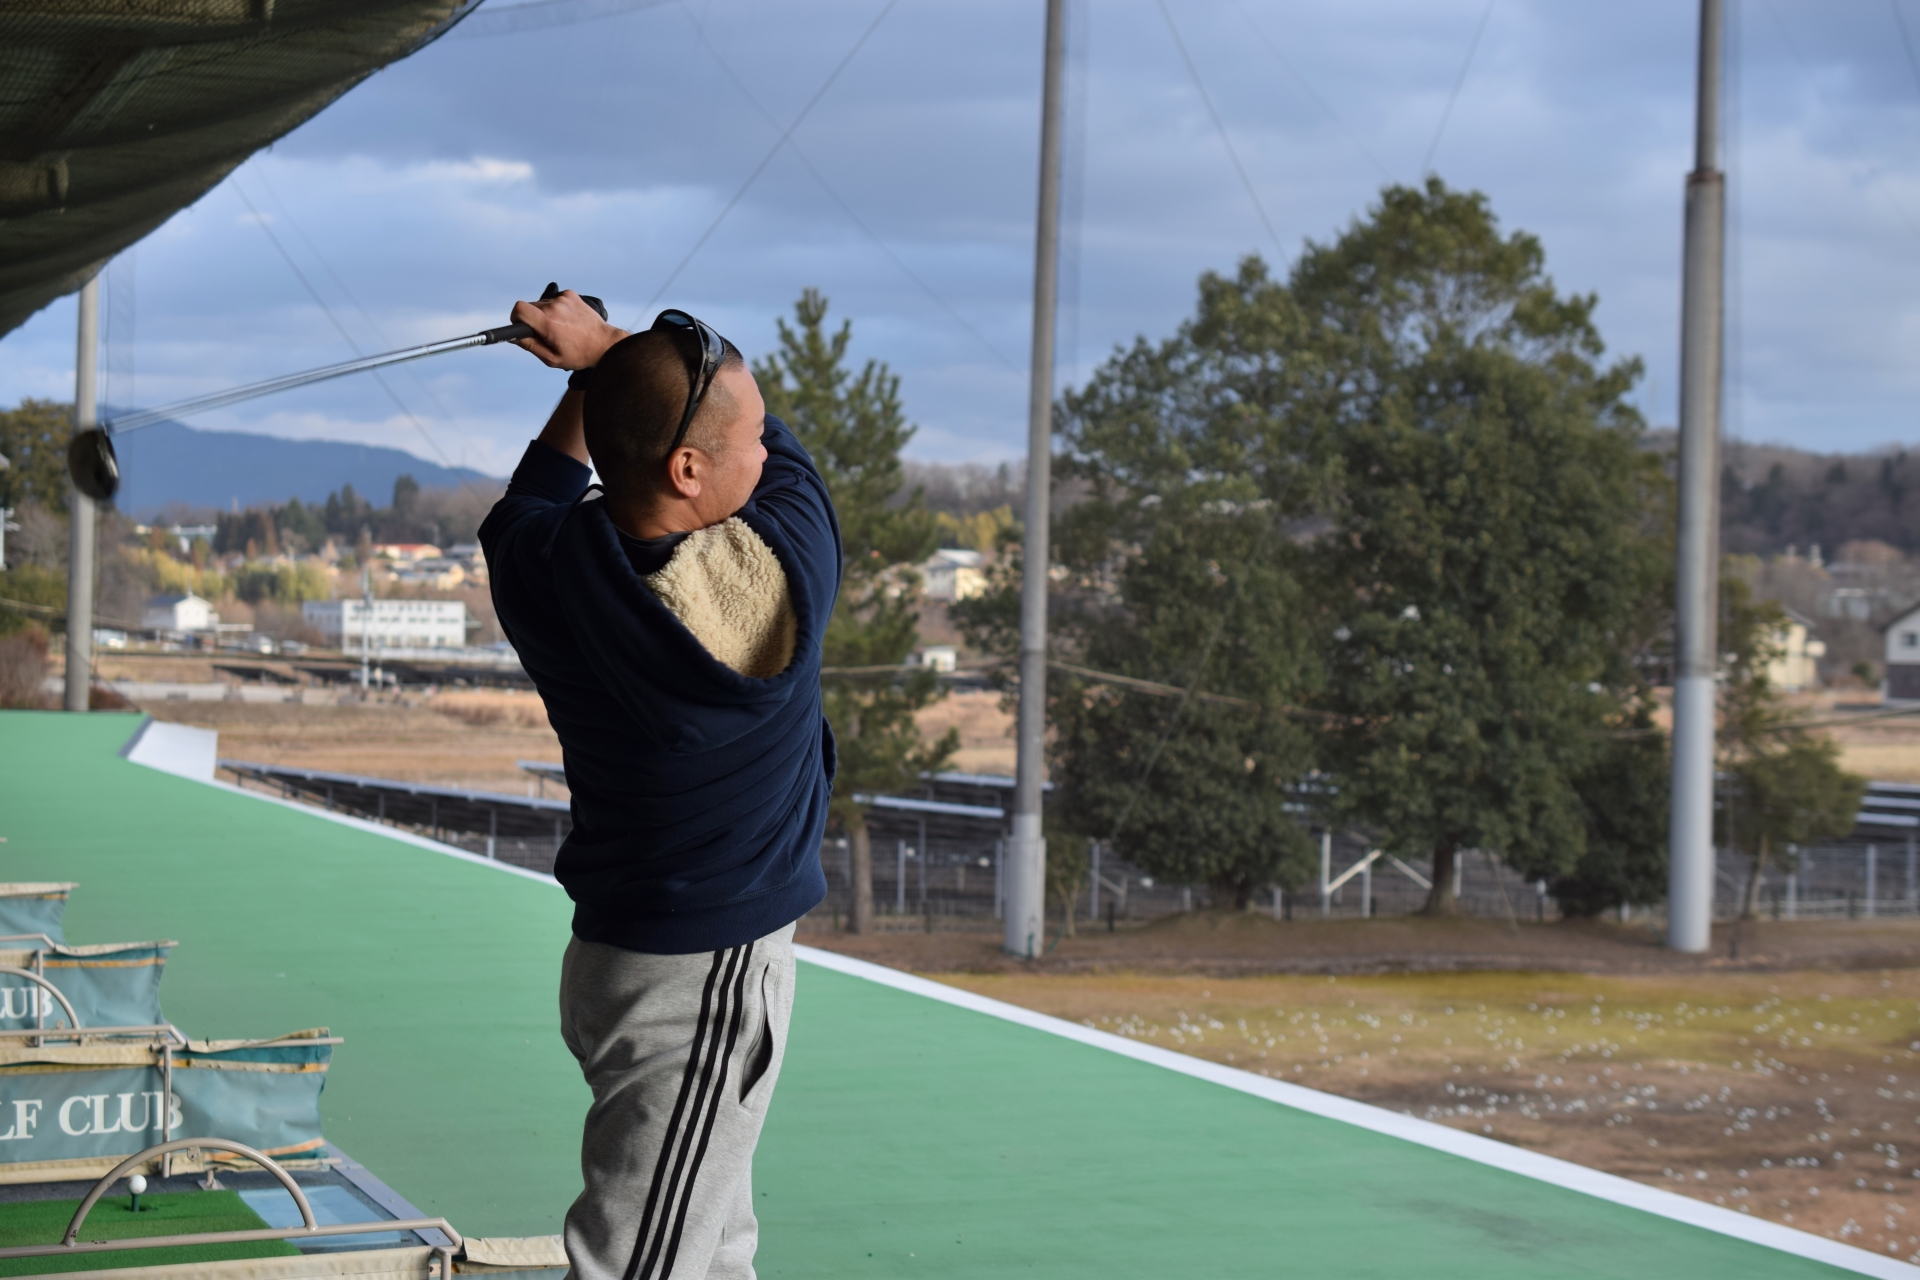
(1227,944)
(986,730)
(1782,1084)
(466,738)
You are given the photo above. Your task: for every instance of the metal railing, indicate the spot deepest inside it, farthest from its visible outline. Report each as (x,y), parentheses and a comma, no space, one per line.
(71,1243)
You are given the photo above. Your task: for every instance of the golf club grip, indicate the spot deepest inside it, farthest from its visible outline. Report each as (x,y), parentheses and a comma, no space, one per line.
(511,332)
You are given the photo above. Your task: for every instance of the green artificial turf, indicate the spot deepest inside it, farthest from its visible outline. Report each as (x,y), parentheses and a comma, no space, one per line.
(907,1137)
(161,1214)
(452,1085)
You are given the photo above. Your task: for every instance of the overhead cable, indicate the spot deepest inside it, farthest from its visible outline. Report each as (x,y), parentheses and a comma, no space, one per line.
(340,328)
(1310,91)
(767,159)
(1906,40)
(1426,165)
(366,316)
(793,145)
(1221,128)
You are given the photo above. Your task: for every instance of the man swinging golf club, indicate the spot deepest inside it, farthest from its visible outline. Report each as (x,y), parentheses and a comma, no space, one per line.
(672,623)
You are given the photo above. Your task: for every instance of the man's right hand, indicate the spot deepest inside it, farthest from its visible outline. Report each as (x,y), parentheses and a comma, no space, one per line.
(568,334)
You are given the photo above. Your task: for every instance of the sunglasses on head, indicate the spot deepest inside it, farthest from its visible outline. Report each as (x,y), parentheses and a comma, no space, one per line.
(713,350)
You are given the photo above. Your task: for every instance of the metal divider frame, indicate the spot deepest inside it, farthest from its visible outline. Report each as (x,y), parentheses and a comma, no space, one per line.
(71,1243)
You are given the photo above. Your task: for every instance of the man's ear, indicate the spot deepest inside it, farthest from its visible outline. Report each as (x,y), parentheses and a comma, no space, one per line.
(684,472)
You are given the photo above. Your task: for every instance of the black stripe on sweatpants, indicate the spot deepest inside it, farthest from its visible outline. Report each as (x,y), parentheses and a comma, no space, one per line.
(713,1108)
(673,1123)
(711,1033)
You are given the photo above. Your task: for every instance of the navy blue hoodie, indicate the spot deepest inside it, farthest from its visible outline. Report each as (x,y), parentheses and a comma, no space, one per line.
(699,794)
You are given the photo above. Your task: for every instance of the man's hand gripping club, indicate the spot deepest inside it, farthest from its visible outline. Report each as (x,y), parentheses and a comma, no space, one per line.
(567,334)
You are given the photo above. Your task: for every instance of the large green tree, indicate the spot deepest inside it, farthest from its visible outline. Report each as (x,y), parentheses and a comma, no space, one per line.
(854,427)
(1399,490)
(33,439)
(1492,536)
(1189,461)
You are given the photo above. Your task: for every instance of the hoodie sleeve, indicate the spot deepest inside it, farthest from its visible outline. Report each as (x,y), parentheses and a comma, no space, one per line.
(792,495)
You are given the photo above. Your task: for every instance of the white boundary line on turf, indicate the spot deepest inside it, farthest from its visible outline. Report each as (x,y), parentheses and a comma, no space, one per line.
(1499,1155)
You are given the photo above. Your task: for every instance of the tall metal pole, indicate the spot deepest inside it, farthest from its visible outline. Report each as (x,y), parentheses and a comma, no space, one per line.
(81,515)
(1026,858)
(1690,836)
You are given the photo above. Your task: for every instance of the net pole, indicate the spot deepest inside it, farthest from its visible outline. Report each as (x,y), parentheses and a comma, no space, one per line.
(1027,848)
(83,522)
(1690,835)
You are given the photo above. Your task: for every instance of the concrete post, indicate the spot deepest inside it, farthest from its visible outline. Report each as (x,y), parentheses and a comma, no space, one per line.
(1326,873)
(1027,848)
(1690,834)
(83,520)
(1873,877)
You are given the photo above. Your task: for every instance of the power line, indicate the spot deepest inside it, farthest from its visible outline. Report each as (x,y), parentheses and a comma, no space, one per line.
(341,328)
(1426,165)
(767,159)
(834,195)
(1311,91)
(1906,40)
(340,284)
(1221,128)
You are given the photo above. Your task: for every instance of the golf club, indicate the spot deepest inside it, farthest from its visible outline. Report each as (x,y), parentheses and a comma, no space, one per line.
(95,468)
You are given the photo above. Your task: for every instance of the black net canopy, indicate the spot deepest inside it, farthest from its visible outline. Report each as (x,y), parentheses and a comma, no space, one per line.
(114,114)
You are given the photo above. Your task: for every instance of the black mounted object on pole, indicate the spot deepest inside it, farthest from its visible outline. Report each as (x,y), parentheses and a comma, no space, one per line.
(93,465)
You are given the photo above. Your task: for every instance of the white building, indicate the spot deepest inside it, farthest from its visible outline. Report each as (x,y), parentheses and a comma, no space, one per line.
(1796,662)
(179,613)
(392,624)
(1902,683)
(939,657)
(954,575)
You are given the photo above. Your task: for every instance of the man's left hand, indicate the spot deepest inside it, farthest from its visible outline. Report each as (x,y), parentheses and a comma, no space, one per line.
(567,333)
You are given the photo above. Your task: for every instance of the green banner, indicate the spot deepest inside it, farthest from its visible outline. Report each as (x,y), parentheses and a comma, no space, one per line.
(110,985)
(108,1101)
(34,908)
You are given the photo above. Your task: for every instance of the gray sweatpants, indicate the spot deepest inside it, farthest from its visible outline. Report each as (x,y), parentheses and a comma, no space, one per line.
(681,1053)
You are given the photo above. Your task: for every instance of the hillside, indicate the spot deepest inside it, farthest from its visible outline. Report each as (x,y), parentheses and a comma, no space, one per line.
(172,465)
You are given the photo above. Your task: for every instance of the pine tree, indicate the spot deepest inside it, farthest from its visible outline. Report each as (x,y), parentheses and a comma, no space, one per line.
(854,427)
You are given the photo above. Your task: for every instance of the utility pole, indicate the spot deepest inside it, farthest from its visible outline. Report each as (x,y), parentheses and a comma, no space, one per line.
(1690,836)
(83,521)
(1026,857)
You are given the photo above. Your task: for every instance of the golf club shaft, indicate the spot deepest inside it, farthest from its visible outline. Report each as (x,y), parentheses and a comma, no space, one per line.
(234,395)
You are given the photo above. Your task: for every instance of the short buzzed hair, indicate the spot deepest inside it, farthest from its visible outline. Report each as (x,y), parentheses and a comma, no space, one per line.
(633,405)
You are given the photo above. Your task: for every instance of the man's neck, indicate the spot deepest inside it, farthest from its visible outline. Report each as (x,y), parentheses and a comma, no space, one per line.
(652,517)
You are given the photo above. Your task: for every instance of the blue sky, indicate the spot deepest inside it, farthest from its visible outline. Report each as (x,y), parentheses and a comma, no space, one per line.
(598,152)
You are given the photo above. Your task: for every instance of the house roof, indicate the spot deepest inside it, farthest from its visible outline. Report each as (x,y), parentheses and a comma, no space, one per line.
(1900,617)
(167,602)
(119,113)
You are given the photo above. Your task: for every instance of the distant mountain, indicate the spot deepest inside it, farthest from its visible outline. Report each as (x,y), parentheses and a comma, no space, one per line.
(169,463)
